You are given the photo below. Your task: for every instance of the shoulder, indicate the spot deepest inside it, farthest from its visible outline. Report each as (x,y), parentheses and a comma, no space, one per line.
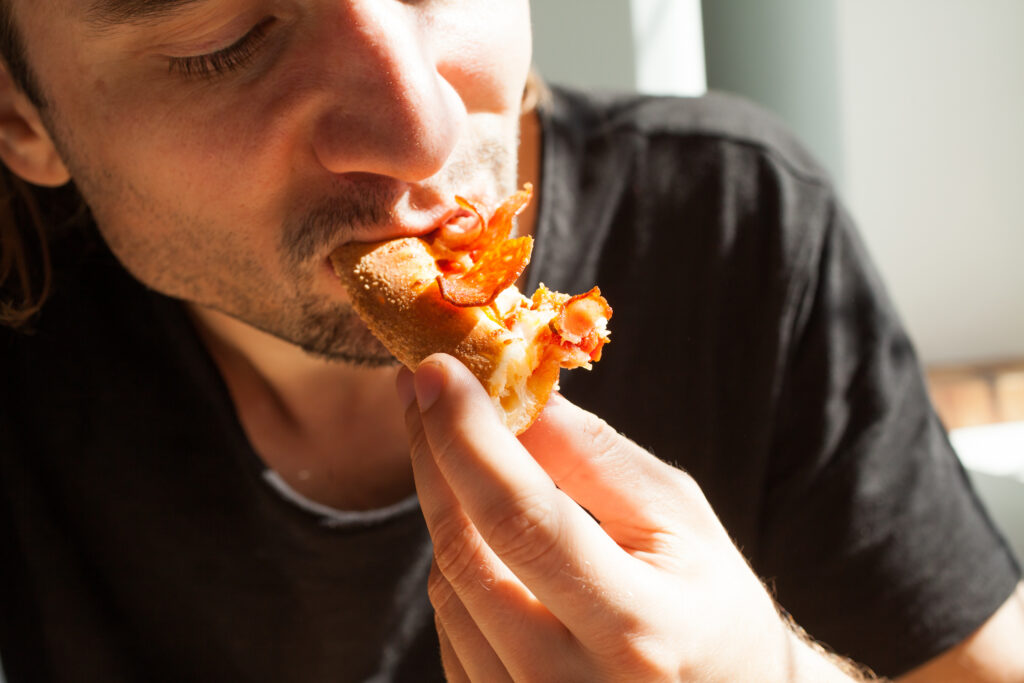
(712,186)
(719,120)
(703,221)
(711,173)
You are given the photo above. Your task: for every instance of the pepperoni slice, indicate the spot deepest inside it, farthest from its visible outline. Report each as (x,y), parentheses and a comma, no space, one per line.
(496,269)
(479,236)
(500,225)
(580,314)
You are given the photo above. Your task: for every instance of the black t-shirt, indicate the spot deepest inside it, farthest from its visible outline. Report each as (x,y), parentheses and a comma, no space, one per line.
(752,345)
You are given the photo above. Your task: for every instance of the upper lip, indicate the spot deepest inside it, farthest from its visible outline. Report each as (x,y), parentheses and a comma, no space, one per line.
(415,210)
(412,226)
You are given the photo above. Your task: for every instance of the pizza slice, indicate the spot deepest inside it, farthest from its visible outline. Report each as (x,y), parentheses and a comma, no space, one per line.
(454,292)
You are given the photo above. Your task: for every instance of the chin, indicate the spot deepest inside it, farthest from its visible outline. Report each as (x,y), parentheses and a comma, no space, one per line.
(338,334)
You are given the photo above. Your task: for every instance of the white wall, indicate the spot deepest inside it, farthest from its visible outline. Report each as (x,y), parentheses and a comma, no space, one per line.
(933,138)
(584,42)
(917,106)
(669,40)
(654,46)
(782,54)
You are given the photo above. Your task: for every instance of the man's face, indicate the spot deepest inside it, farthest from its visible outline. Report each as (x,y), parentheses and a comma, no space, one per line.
(227,146)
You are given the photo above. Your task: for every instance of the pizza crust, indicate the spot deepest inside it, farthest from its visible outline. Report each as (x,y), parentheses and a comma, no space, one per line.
(393,287)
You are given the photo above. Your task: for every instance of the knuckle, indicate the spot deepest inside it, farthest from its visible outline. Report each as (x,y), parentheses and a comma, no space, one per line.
(600,435)
(687,484)
(527,534)
(677,501)
(440,593)
(457,549)
(609,449)
(688,499)
(639,657)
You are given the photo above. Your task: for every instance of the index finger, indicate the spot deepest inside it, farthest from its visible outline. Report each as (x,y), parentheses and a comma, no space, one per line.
(551,544)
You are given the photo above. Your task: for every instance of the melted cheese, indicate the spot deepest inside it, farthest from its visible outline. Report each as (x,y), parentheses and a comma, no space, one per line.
(522,356)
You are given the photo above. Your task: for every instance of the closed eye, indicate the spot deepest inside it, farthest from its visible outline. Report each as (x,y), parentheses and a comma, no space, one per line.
(231,58)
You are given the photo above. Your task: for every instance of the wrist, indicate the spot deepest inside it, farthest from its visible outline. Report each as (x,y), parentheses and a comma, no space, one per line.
(807,660)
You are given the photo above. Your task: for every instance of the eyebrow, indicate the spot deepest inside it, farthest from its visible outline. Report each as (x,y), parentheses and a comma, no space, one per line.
(109,13)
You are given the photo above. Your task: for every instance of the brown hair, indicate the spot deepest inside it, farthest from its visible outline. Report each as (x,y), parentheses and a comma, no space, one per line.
(536,93)
(25,273)
(12,50)
(24,280)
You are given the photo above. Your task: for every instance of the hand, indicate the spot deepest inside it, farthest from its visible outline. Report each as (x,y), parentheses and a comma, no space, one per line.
(528,586)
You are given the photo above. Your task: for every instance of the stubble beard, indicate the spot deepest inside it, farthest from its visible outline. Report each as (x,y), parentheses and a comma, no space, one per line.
(340,335)
(332,330)
(290,309)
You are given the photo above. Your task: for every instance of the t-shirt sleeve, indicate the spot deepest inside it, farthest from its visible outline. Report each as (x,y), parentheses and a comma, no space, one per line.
(871,535)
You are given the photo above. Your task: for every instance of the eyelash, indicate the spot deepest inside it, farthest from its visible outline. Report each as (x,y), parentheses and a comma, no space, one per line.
(231,58)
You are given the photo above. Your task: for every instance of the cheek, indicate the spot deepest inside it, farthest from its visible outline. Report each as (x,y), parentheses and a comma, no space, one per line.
(162,197)
(179,189)
(178,141)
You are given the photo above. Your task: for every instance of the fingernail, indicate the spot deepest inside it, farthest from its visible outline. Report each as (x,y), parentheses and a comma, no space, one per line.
(404,387)
(428,381)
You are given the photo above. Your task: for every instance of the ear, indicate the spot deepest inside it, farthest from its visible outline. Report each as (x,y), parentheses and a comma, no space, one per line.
(25,145)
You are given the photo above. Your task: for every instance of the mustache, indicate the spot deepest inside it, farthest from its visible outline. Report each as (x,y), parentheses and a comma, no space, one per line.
(364,201)
(340,217)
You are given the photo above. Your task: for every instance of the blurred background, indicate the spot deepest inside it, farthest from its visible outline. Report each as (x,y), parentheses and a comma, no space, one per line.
(916,108)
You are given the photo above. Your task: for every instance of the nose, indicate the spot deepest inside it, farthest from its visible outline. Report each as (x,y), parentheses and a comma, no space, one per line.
(388,110)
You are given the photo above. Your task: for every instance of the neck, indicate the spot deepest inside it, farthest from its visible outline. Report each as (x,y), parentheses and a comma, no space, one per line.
(332,431)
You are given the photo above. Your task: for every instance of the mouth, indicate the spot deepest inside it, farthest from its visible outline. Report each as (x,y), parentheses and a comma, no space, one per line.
(451,222)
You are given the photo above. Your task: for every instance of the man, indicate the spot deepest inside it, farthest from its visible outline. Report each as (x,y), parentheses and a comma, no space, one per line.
(196,487)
